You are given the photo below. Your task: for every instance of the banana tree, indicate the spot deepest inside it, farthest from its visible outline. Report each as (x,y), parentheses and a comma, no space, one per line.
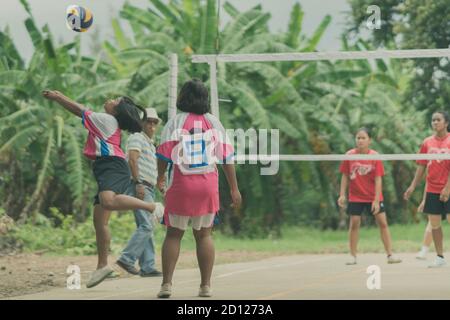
(43,142)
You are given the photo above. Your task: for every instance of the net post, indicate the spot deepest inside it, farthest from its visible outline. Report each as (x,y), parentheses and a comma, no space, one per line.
(213,88)
(173,85)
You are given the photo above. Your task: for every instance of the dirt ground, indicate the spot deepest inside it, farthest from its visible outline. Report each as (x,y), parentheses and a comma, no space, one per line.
(22,274)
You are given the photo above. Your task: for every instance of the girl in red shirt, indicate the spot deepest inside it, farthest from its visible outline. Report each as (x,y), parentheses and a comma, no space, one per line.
(437,202)
(364,180)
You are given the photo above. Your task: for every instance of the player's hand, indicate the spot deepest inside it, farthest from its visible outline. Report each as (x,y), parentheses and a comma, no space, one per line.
(375,207)
(444,196)
(421,206)
(161,185)
(408,193)
(236,198)
(50,94)
(140,191)
(341,201)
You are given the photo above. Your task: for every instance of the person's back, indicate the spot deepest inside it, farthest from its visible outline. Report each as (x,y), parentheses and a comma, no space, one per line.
(192,143)
(194,153)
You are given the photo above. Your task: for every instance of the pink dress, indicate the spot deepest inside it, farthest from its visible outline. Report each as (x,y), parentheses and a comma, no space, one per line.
(192,145)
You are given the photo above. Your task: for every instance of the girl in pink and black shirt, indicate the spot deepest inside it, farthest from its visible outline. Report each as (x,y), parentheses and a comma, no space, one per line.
(363,178)
(110,168)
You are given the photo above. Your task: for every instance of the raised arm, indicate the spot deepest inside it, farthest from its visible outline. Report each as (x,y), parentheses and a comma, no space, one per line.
(70,105)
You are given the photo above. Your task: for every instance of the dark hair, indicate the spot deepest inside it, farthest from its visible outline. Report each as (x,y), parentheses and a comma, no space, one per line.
(366,130)
(127,115)
(446,117)
(193,97)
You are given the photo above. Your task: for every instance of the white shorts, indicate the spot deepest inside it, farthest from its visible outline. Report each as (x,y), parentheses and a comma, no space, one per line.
(181,222)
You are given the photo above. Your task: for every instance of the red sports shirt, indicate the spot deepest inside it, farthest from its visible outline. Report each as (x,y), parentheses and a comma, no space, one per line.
(362,175)
(438,170)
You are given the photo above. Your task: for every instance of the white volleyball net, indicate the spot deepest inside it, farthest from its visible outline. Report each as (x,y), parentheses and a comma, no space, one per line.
(213,60)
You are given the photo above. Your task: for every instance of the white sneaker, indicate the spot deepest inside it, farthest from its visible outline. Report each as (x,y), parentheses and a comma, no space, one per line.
(352,261)
(438,263)
(421,255)
(158,213)
(165,291)
(205,292)
(98,276)
(392,259)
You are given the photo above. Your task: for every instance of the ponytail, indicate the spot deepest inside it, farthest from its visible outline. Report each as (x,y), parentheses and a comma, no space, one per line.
(128,115)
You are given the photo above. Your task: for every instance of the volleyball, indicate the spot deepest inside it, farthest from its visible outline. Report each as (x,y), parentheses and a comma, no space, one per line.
(79,19)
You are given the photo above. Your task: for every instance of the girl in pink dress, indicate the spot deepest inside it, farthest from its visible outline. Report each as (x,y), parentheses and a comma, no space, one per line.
(192,143)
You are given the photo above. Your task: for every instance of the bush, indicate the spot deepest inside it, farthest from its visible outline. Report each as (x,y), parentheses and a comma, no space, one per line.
(60,234)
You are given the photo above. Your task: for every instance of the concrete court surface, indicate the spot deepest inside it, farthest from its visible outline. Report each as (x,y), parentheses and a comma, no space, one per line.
(297,277)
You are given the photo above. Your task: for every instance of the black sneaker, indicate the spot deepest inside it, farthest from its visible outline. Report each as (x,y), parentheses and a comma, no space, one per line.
(154,273)
(130,269)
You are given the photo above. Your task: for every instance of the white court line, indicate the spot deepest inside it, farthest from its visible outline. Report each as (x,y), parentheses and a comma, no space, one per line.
(320,282)
(216,277)
(271,267)
(136,291)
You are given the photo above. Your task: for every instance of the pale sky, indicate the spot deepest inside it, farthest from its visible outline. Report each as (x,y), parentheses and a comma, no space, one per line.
(53,13)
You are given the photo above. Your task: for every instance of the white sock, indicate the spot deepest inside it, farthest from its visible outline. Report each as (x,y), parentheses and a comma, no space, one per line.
(425,249)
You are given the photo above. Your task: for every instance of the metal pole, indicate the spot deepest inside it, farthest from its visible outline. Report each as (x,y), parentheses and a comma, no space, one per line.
(213,88)
(173,86)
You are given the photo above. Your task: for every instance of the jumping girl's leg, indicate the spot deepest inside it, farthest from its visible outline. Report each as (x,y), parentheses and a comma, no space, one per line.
(103,237)
(112,201)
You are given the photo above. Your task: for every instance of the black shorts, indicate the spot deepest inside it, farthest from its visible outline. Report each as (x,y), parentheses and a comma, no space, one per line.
(357,208)
(435,206)
(111,174)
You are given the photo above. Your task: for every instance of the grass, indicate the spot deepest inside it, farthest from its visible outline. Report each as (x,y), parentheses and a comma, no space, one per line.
(71,239)
(298,240)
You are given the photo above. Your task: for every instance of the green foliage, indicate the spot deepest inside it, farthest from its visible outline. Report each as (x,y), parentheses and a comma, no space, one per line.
(414,24)
(316,105)
(60,234)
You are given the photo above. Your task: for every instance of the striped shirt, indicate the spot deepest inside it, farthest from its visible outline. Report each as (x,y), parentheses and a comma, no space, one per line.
(104,135)
(148,169)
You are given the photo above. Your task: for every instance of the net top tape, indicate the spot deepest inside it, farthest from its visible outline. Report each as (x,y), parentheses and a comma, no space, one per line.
(315,56)
(343,157)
